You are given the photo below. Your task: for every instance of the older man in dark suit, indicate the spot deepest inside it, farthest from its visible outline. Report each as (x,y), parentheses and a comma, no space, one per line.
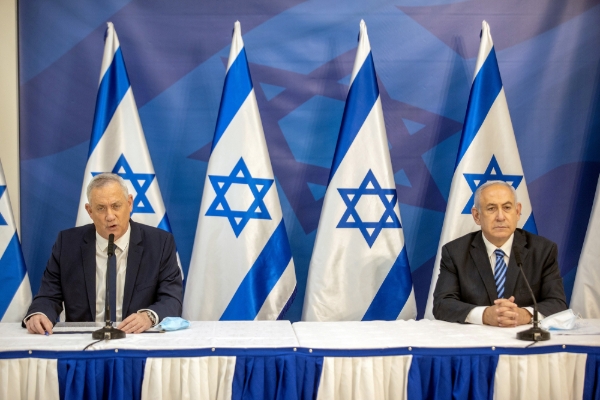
(148,284)
(479,279)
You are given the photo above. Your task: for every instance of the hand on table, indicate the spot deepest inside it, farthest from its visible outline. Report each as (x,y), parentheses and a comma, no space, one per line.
(40,324)
(135,323)
(505,313)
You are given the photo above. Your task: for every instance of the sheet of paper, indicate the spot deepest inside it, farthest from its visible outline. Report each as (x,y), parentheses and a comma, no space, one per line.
(71,327)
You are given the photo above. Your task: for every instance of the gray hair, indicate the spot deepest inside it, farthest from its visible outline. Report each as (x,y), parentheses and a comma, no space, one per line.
(105,179)
(476,204)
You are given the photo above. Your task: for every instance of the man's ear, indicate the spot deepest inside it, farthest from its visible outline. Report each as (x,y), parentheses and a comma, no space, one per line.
(475,214)
(518,211)
(88,208)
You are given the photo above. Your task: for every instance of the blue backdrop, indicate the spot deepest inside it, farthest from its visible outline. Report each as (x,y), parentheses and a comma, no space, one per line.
(301,55)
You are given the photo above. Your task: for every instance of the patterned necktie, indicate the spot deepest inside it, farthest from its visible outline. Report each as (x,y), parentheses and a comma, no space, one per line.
(500,272)
(112,286)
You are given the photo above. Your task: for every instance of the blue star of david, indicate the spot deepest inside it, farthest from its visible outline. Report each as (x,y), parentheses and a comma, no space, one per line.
(492,173)
(325,81)
(2,220)
(140,182)
(240,175)
(351,219)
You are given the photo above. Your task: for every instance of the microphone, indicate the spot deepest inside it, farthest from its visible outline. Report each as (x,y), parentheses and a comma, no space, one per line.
(110,251)
(534,333)
(108,332)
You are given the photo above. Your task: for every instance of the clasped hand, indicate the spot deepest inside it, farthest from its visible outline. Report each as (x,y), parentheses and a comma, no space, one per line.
(506,313)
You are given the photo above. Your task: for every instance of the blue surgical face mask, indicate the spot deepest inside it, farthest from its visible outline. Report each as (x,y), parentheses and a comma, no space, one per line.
(561,320)
(174,324)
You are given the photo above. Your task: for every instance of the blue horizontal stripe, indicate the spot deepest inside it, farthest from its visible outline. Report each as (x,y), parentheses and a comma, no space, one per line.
(236,89)
(485,89)
(12,272)
(230,351)
(113,87)
(449,351)
(262,277)
(361,98)
(393,293)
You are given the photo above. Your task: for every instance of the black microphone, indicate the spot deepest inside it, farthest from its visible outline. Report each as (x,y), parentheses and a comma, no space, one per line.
(108,332)
(110,252)
(534,333)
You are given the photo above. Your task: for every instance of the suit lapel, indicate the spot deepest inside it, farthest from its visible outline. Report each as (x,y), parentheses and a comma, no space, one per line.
(134,258)
(88,255)
(512,273)
(482,262)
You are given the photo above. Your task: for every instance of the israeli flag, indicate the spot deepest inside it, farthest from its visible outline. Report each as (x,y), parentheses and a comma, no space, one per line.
(359,268)
(118,144)
(15,291)
(487,152)
(586,290)
(241,267)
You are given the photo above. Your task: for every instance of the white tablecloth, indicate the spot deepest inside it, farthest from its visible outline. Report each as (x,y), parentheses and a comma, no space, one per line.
(423,333)
(36,378)
(205,334)
(365,359)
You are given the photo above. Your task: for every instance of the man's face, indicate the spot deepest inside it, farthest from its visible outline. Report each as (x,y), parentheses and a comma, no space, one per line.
(499,213)
(109,208)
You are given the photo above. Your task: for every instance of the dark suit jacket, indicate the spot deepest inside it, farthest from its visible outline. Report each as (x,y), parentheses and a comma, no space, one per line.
(152,281)
(466,279)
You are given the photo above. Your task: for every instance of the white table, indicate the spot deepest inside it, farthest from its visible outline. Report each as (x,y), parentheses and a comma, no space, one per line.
(224,360)
(422,359)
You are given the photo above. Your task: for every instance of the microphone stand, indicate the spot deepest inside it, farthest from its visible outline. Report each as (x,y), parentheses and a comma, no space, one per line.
(535,333)
(108,332)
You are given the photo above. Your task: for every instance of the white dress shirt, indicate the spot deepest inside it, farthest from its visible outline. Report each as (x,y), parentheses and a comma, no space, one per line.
(475,316)
(121,252)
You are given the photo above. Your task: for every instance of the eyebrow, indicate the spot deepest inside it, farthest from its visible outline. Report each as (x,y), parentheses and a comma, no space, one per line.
(503,204)
(110,204)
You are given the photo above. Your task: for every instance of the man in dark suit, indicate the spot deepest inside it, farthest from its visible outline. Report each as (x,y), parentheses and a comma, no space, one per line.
(479,280)
(148,284)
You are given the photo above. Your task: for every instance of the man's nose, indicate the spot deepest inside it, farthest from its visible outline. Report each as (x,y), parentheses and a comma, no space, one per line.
(110,215)
(500,215)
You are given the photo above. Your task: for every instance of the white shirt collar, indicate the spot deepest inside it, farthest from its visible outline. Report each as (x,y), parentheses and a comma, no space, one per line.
(491,248)
(121,242)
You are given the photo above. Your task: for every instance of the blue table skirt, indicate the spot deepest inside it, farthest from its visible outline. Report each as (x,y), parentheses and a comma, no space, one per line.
(118,377)
(591,388)
(279,376)
(463,373)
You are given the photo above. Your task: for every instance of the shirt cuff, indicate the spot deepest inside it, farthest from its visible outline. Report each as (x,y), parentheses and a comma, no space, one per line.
(32,314)
(530,309)
(475,316)
(153,313)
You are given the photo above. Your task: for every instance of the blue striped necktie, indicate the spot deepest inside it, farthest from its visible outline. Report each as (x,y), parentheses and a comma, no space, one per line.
(500,272)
